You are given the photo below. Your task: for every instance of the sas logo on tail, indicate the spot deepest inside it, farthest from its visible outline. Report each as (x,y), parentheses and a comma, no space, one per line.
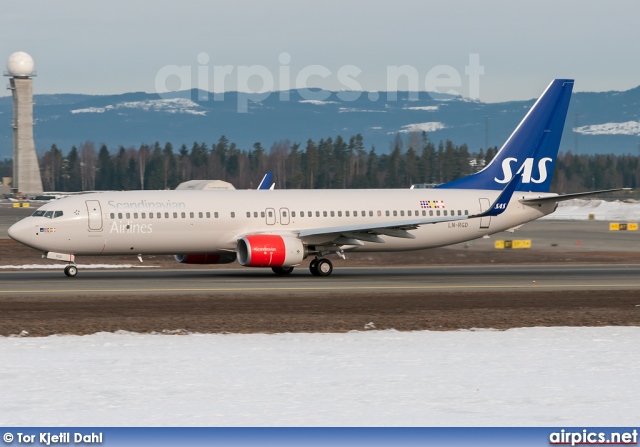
(526,169)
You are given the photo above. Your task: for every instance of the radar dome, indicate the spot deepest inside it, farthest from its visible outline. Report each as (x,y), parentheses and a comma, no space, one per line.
(20,64)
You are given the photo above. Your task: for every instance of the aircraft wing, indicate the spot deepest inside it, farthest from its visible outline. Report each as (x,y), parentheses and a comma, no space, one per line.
(563,197)
(371,232)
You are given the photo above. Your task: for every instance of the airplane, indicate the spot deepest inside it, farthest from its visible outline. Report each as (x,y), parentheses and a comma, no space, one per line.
(278,229)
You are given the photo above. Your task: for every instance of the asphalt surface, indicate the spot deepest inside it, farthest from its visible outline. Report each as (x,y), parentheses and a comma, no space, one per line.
(577,273)
(374,281)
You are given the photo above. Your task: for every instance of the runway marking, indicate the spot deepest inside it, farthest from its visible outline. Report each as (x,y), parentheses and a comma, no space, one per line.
(336,288)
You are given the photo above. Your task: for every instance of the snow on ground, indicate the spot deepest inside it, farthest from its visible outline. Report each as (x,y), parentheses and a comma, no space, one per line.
(520,377)
(431,126)
(176,105)
(427,108)
(579,209)
(626,128)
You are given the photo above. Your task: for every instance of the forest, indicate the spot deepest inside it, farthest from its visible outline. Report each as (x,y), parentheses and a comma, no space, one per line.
(332,162)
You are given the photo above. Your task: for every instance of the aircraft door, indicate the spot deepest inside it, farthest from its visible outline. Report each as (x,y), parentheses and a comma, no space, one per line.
(284,216)
(270,214)
(95,215)
(484,206)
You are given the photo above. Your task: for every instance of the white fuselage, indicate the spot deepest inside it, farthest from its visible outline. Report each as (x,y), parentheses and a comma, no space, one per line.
(178,222)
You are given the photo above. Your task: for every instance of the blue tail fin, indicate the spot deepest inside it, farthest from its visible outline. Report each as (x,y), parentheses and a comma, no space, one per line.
(266,181)
(532,148)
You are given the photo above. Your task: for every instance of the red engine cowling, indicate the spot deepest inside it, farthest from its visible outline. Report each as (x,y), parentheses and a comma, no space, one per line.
(207,258)
(270,250)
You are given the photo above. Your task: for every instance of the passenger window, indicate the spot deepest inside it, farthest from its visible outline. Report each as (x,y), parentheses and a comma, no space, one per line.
(270,213)
(191,215)
(333,214)
(261,213)
(355,214)
(150,215)
(119,215)
(144,215)
(128,215)
(215,214)
(317,213)
(158,215)
(135,215)
(324,213)
(346,213)
(445,212)
(255,214)
(466,212)
(395,213)
(379,213)
(57,214)
(200,214)
(437,212)
(293,214)
(430,212)
(112,215)
(233,214)
(409,213)
(284,214)
(175,215)
(248,213)
(387,213)
(208,215)
(364,213)
(424,212)
(459,213)
(402,212)
(339,213)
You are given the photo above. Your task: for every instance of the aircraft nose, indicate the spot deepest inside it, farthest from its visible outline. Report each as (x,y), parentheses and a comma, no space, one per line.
(20,232)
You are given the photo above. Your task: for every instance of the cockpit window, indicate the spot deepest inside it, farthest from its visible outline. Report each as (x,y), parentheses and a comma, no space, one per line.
(57,214)
(38,213)
(48,214)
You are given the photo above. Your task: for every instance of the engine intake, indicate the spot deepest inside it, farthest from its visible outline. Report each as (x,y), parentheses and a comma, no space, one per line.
(206,258)
(270,250)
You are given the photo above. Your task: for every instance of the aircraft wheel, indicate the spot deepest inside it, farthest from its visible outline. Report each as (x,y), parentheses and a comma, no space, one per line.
(282,270)
(71,270)
(324,267)
(313,267)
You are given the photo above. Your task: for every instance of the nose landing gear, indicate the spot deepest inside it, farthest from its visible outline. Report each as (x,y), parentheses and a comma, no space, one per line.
(71,270)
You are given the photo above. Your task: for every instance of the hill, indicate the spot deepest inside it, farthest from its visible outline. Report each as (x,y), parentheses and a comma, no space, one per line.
(608,122)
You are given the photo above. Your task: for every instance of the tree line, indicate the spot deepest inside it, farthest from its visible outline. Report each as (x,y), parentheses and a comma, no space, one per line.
(332,162)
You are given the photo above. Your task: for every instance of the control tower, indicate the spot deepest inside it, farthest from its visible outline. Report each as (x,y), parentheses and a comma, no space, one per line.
(26,172)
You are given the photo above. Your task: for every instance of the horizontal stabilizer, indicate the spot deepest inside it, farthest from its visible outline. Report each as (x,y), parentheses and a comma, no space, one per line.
(563,197)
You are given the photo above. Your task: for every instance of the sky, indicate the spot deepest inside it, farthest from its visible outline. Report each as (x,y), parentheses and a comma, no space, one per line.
(518,47)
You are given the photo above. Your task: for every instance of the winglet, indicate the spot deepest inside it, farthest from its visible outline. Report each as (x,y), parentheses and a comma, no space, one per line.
(500,205)
(266,181)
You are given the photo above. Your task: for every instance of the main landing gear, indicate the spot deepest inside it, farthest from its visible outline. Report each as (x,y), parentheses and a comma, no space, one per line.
(71,270)
(321,267)
(280,271)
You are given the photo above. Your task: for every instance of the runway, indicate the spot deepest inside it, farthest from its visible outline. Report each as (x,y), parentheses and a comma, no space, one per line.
(375,281)
(578,274)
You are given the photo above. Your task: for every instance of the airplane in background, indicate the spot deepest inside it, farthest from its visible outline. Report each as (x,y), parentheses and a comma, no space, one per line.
(278,229)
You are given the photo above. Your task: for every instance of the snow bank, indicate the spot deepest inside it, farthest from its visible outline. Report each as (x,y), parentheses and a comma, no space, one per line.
(520,377)
(579,209)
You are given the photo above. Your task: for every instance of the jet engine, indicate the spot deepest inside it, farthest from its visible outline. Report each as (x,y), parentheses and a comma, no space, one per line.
(207,258)
(270,250)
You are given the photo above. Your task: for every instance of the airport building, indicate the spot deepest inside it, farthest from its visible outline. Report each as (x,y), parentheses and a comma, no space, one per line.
(26,172)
